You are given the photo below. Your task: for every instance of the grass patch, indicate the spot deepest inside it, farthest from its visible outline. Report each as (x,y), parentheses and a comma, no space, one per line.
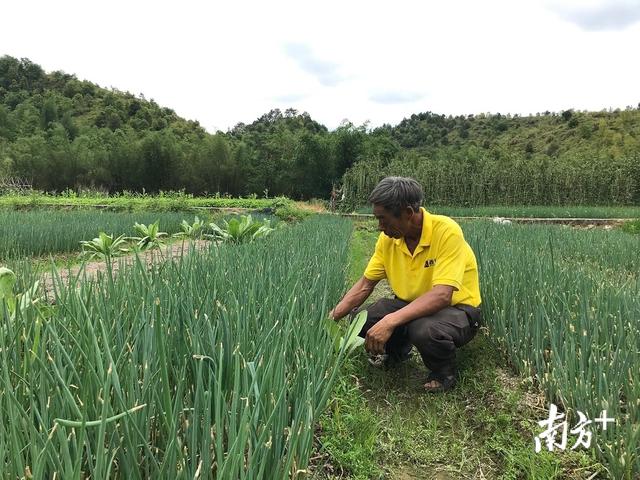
(292,212)
(632,226)
(164,201)
(349,431)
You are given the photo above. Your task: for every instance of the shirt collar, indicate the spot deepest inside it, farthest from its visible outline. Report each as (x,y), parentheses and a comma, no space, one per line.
(427,230)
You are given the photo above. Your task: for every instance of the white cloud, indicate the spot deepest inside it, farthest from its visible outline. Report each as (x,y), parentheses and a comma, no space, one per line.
(327,73)
(599,15)
(393,97)
(291,97)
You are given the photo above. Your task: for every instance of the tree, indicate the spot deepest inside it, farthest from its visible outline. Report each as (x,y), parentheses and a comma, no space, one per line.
(7,124)
(49,113)
(349,143)
(159,154)
(314,166)
(69,125)
(215,168)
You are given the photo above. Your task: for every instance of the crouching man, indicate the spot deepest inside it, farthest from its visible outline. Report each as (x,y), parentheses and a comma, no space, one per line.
(434,277)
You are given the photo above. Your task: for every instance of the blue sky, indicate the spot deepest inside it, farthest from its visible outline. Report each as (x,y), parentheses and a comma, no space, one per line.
(227,62)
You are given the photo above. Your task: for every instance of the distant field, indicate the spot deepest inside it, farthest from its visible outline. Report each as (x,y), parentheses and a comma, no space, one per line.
(162,202)
(47,231)
(183,202)
(539,211)
(53,231)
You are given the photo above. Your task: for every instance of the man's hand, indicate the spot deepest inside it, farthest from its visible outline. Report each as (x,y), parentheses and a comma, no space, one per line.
(353,298)
(332,314)
(377,336)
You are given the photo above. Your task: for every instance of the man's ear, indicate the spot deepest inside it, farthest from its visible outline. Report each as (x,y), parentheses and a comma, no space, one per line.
(410,211)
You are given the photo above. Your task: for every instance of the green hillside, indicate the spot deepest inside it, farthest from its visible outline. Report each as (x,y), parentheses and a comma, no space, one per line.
(59,132)
(612,132)
(588,158)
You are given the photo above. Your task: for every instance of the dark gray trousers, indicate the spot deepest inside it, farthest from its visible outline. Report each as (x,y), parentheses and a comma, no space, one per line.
(436,336)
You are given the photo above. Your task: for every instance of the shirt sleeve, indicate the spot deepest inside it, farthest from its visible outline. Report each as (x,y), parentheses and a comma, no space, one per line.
(451,263)
(375,269)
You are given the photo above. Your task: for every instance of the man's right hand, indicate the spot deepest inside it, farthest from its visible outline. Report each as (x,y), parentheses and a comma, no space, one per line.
(353,298)
(352,313)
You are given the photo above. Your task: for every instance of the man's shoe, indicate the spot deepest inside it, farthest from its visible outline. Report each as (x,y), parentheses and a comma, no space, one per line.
(446,382)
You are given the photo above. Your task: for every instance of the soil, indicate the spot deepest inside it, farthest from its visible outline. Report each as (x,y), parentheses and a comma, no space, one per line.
(89,270)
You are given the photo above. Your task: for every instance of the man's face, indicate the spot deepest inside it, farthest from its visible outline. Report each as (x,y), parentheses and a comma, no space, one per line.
(394,227)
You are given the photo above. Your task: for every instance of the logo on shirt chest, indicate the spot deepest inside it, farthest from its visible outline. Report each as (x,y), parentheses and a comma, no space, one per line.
(430,262)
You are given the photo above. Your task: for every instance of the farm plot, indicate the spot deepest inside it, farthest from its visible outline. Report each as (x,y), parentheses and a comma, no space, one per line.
(215,365)
(532,211)
(564,307)
(42,232)
(164,201)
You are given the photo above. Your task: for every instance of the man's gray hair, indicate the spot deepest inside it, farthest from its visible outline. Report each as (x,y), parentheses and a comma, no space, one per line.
(396,194)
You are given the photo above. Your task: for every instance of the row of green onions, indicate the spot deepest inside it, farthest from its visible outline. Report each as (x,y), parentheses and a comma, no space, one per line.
(216,364)
(564,306)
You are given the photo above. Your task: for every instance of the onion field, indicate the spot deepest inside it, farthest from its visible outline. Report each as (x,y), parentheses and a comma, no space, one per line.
(44,232)
(218,364)
(564,306)
(215,365)
(52,231)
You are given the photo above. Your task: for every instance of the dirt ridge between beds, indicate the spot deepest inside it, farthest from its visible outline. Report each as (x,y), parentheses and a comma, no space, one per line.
(89,270)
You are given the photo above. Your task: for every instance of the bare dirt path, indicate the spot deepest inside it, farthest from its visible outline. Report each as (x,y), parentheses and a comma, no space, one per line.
(89,270)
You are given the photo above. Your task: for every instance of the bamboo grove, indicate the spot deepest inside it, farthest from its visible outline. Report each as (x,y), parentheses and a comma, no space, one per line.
(476,177)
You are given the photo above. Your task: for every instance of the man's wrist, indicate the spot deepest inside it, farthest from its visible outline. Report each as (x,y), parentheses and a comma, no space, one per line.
(393,320)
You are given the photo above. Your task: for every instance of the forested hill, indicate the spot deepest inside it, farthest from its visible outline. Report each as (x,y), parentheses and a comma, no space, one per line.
(59,132)
(612,132)
(568,157)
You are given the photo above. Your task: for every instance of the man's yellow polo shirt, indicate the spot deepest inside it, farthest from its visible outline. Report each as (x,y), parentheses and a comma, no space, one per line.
(442,257)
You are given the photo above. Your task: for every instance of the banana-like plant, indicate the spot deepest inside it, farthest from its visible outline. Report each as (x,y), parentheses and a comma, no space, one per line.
(350,340)
(240,230)
(103,246)
(7,281)
(192,231)
(149,237)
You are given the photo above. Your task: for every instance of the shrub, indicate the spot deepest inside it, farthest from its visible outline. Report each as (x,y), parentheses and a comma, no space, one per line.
(631,226)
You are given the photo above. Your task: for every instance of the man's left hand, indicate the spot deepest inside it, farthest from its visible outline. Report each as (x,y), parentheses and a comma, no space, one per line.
(377,336)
